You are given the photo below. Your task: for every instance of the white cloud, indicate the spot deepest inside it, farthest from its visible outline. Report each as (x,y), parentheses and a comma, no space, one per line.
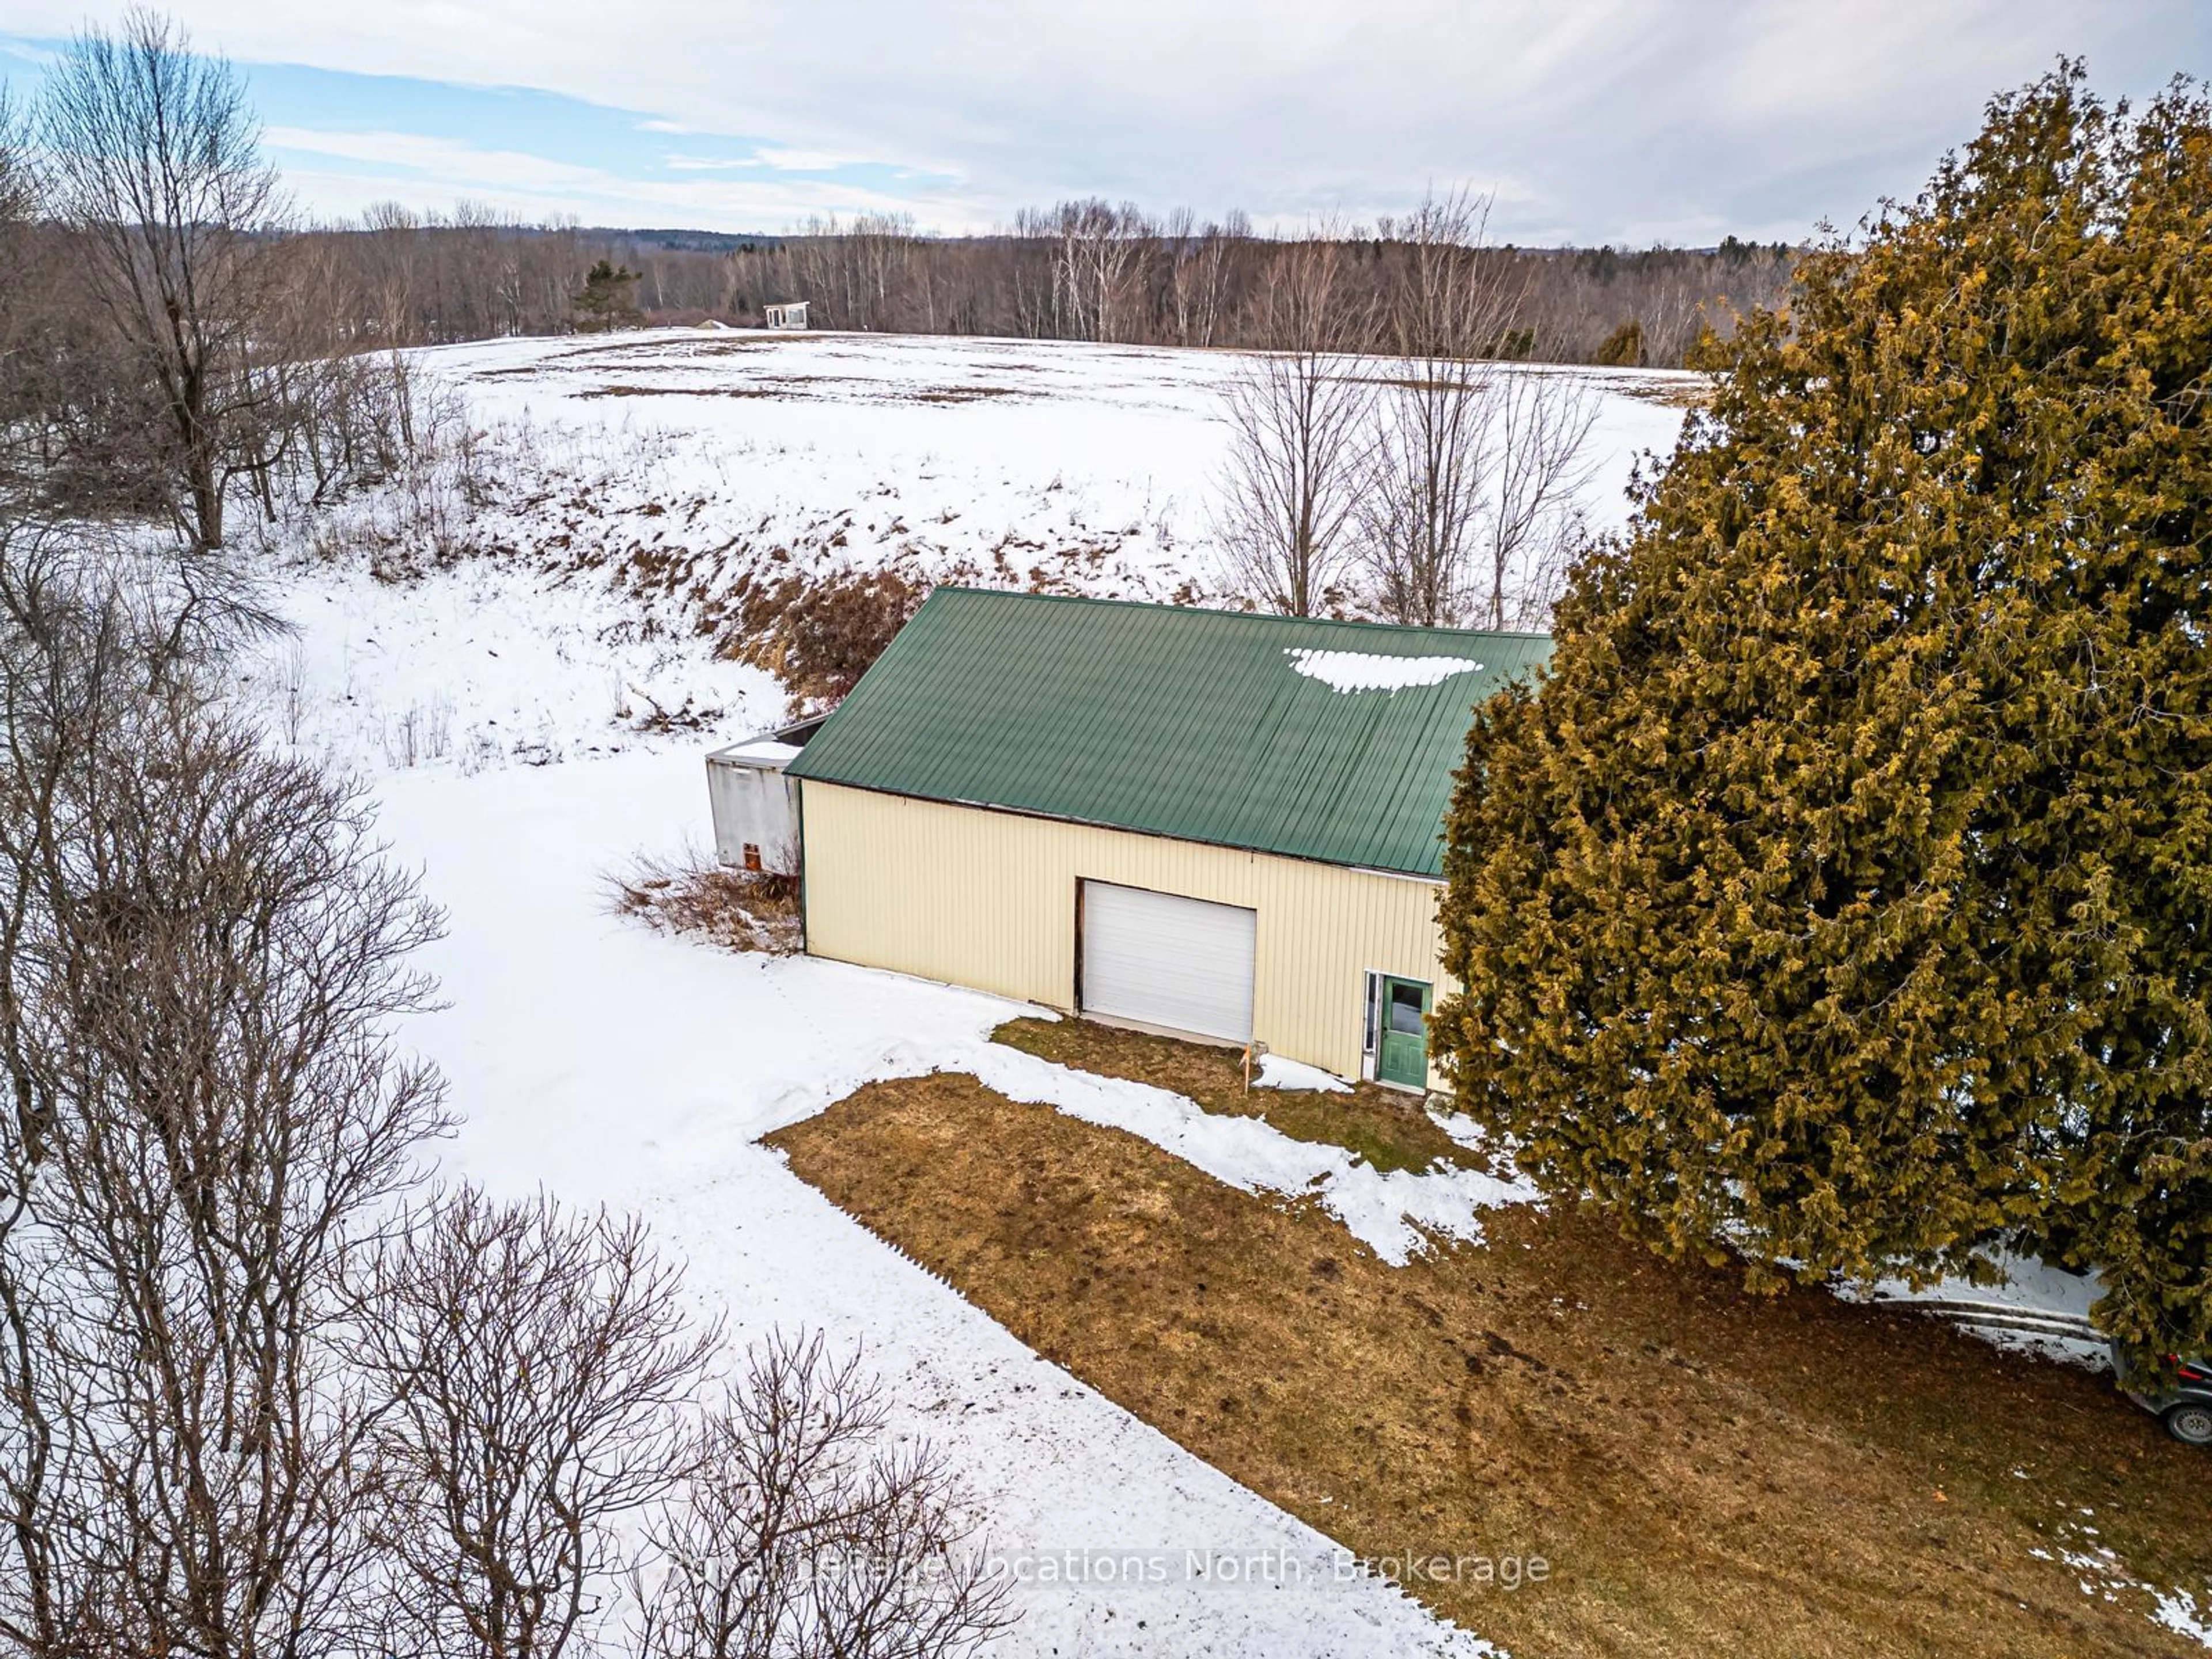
(775,157)
(786,159)
(1613,120)
(710,163)
(437,170)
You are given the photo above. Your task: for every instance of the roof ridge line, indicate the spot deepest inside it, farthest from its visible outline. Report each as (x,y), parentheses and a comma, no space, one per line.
(1268,616)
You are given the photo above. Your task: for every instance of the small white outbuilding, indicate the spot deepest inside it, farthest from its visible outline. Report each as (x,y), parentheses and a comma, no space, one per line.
(756,807)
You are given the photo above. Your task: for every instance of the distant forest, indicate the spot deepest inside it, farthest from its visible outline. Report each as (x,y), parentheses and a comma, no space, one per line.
(1080,271)
(172,340)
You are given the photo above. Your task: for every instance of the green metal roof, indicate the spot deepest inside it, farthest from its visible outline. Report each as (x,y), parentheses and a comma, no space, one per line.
(1194,724)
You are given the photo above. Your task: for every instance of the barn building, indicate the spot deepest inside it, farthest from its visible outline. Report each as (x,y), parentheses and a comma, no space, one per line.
(1207,823)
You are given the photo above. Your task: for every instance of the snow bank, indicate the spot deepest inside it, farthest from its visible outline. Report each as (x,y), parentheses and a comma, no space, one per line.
(1277,1073)
(2023,1282)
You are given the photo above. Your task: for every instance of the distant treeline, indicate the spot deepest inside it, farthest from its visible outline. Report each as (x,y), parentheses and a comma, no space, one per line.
(1081,271)
(172,342)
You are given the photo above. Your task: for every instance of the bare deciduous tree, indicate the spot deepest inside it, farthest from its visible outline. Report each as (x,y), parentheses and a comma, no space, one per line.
(805,1530)
(157,168)
(200,962)
(1298,419)
(535,1362)
(65,660)
(18,189)
(1467,508)
(23,362)
(1449,309)
(1199,273)
(1538,429)
(1096,250)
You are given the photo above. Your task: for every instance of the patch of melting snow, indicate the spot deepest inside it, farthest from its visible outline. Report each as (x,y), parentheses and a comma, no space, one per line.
(1277,1073)
(2102,1575)
(2178,1612)
(2021,1282)
(1369,671)
(1396,1213)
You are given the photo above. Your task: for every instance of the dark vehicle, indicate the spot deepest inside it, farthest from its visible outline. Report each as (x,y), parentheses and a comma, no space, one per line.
(2183,1401)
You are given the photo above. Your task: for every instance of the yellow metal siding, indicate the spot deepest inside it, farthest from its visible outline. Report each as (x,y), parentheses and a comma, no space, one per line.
(977,897)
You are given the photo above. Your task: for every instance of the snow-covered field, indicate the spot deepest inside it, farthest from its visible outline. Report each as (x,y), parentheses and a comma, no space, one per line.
(617,490)
(518,649)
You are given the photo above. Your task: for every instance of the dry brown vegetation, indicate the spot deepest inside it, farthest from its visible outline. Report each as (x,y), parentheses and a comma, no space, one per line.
(1707,1473)
(817,635)
(736,910)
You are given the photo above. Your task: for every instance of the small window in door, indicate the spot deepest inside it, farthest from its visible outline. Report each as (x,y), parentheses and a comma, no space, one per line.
(1405,1001)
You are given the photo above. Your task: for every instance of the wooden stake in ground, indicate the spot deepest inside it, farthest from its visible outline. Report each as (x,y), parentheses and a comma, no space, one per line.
(1254,1052)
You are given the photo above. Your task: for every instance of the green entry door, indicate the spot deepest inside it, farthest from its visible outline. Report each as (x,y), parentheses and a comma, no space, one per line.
(1402,1051)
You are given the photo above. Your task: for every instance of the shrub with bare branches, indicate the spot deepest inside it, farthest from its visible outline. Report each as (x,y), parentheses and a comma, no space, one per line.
(806,1529)
(753,910)
(536,1364)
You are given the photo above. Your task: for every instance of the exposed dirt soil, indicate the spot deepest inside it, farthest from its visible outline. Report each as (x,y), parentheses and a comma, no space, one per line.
(1703,1471)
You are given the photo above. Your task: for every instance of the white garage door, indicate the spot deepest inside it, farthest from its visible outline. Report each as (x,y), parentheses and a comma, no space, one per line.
(1181,963)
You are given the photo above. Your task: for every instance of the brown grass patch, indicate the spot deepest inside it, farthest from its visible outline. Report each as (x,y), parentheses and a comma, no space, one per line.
(1671,394)
(736,910)
(681,392)
(1708,1473)
(817,635)
(1388,1129)
(963,394)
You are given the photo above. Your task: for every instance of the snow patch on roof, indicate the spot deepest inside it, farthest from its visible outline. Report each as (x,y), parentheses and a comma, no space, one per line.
(1368,671)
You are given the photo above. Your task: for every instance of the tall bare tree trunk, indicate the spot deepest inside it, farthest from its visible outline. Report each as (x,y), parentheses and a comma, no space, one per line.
(157,167)
(1297,420)
(1450,310)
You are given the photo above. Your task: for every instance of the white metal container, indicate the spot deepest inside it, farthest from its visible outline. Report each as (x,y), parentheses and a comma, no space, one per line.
(756,807)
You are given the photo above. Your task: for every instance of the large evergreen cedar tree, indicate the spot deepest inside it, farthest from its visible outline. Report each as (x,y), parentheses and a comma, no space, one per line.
(1842,897)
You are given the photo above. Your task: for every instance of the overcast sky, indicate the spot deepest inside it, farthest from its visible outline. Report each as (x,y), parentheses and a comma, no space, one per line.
(1626,121)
